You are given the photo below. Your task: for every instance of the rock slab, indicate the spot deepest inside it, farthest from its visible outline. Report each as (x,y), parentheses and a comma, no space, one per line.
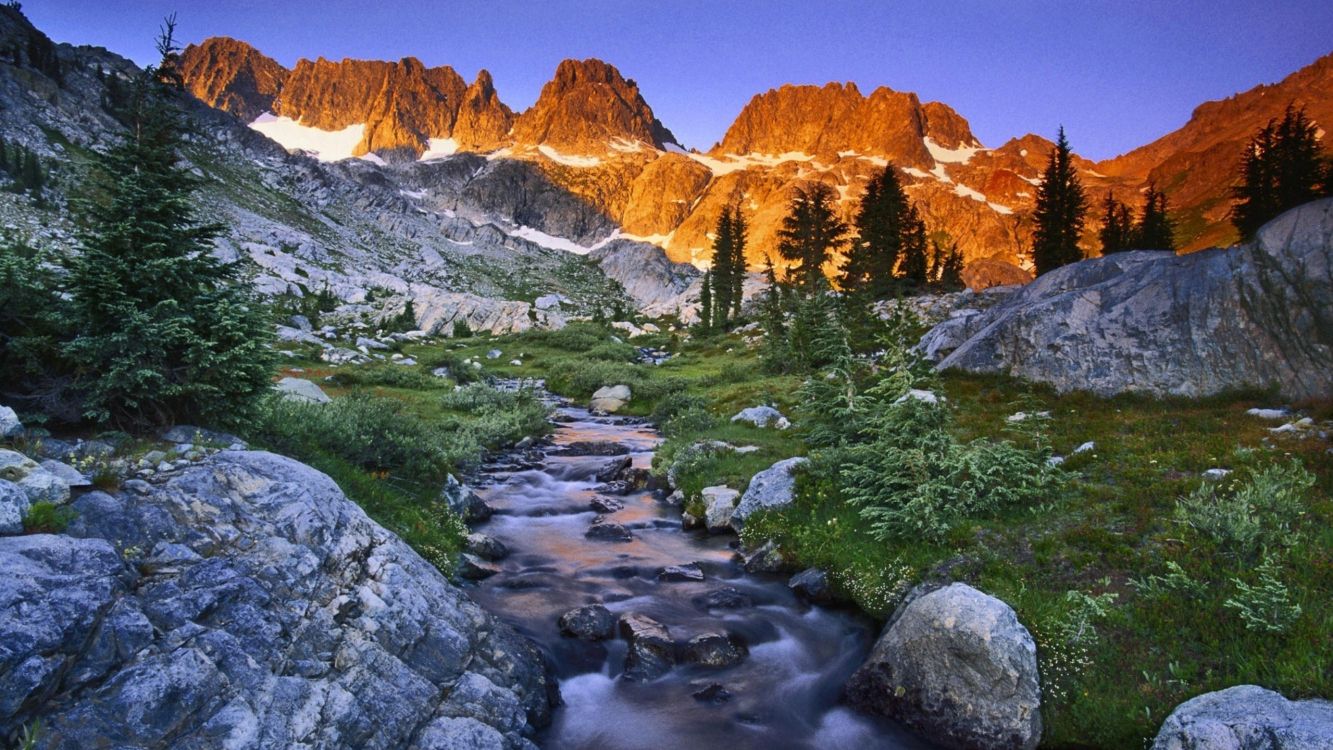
(771,489)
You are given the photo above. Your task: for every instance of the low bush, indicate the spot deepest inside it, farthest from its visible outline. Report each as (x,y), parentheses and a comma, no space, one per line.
(46,518)
(387,376)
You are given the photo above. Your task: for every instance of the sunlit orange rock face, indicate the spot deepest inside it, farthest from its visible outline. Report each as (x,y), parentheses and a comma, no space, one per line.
(592,132)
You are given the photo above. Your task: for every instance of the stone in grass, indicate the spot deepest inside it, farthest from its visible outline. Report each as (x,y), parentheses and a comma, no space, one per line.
(680,573)
(591,622)
(1247,717)
(762,417)
(299,389)
(719,504)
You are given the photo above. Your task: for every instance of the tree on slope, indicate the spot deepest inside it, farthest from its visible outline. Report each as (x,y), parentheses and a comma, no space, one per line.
(739,230)
(1282,168)
(166,332)
(1117,226)
(1061,207)
(884,220)
(720,270)
(706,301)
(1155,230)
(810,232)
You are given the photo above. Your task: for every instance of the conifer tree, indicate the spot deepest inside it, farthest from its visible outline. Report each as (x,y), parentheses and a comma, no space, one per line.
(947,266)
(1060,211)
(872,260)
(166,332)
(706,301)
(775,353)
(721,269)
(1117,225)
(739,230)
(810,232)
(1155,230)
(916,246)
(1282,168)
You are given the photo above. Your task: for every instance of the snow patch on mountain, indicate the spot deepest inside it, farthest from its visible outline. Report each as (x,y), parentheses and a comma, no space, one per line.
(569,160)
(438,148)
(325,145)
(960,155)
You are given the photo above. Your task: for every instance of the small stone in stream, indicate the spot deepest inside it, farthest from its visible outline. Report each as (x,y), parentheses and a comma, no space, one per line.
(725,598)
(524,444)
(690,521)
(606,505)
(812,584)
(651,652)
(589,623)
(594,448)
(686,572)
(474,568)
(716,650)
(714,694)
(608,532)
(485,547)
(614,469)
(618,487)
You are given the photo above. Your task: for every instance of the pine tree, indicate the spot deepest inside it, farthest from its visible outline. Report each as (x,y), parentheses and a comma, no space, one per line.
(1155,229)
(817,337)
(721,269)
(1060,211)
(739,230)
(810,232)
(1282,168)
(166,332)
(32,174)
(775,353)
(706,301)
(1117,226)
(946,271)
(916,247)
(872,261)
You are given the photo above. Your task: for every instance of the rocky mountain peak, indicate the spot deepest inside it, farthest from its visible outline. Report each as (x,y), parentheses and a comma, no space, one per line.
(587,106)
(483,121)
(229,74)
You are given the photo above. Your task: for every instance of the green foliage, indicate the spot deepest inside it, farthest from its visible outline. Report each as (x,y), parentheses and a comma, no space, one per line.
(1266,606)
(1176,583)
(462,330)
(810,232)
(33,322)
(1155,229)
(706,304)
(776,354)
(1260,514)
(1060,211)
(165,332)
(1282,168)
(1117,229)
(890,240)
(387,375)
(311,305)
(46,518)
(720,299)
(946,267)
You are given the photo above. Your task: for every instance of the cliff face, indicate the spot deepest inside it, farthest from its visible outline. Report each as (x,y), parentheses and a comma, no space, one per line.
(592,133)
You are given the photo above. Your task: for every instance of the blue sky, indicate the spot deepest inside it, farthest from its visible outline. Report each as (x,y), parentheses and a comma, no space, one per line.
(1116,74)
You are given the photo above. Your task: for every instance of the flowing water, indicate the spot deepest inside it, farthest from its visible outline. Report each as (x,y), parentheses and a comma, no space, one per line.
(785,694)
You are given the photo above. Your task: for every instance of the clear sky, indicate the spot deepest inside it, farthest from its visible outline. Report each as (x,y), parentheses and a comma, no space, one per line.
(1117,74)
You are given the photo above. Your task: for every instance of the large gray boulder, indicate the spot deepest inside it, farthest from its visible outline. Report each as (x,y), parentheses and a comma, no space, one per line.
(719,506)
(300,389)
(1247,717)
(771,489)
(955,665)
(610,399)
(1258,314)
(245,602)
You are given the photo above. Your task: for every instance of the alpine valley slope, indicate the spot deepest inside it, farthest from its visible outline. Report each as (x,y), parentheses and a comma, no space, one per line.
(592,133)
(374,237)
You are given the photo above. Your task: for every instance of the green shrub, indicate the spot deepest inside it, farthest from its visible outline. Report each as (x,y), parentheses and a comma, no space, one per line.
(46,518)
(1241,520)
(573,338)
(676,403)
(387,376)
(912,478)
(1266,606)
(462,330)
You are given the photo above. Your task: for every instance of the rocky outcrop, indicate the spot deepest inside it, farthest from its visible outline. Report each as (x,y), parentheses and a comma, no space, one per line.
(610,399)
(1254,315)
(955,665)
(246,602)
(983,274)
(773,488)
(1247,717)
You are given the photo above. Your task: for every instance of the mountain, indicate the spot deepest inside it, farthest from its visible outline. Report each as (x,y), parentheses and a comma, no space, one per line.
(1197,164)
(448,234)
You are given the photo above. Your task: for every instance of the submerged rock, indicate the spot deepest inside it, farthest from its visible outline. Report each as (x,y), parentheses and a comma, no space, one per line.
(713,693)
(475,568)
(592,622)
(485,547)
(812,585)
(955,665)
(1247,717)
(679,573)
(609,532)
(716,650)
